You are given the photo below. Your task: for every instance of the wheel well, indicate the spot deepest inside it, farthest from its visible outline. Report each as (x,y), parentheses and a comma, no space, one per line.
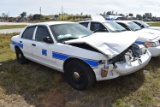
(71,59)
(17,48)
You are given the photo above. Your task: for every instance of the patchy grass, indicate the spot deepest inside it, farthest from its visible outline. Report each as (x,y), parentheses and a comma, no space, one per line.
(11,26)
(155,24)
(38,86)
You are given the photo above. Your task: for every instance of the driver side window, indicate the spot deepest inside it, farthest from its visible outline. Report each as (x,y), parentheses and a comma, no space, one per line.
(97,26)
(139,24)
(123,25)
(41,33)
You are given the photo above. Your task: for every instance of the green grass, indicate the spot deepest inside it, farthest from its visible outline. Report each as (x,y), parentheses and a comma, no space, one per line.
(35,85)
(155,24)
(11,26)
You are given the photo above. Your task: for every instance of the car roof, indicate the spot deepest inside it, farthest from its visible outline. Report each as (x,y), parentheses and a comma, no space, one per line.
(52,23)
(137,20)
(124,21)
(95,21)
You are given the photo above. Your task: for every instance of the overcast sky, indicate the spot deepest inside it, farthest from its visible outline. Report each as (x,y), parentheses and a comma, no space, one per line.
(15,7)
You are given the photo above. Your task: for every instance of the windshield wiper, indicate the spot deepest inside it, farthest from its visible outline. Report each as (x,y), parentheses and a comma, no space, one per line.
(117,31)
(136,29)
(67,38)
(124,30)
(84,36)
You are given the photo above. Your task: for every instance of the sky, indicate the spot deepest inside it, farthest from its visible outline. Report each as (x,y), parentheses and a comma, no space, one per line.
(16,7)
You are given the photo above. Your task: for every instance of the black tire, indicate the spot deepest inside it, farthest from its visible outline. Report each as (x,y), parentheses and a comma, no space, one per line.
(20,57)
(77,68)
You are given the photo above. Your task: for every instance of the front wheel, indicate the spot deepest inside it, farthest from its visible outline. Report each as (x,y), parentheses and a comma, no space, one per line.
(79,75)
(20,57)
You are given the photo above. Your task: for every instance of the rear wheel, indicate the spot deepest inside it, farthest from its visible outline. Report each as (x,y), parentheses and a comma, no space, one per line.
(20,57)
(79,75)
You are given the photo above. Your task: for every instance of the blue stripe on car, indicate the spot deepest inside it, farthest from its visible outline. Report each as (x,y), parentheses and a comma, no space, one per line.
(17,44)
(44,52)
(91,62)
(60,56)
(139,42)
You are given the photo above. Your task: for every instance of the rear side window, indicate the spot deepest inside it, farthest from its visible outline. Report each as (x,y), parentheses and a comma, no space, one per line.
(85,24)
(28,33)
(42,32)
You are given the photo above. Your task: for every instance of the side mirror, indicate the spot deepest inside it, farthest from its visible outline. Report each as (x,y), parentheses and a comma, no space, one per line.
(47,39)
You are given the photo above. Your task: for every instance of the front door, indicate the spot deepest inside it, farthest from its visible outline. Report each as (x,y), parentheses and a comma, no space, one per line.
(42,51)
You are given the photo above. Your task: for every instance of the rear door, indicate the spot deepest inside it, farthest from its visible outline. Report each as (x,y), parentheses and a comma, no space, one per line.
(26,40)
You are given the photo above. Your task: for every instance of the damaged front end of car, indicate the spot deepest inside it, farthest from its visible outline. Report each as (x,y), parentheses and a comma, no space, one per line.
(120,57)
(132,59)
(131,54)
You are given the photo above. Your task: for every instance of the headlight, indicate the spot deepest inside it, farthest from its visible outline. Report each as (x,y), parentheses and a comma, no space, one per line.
(151,44)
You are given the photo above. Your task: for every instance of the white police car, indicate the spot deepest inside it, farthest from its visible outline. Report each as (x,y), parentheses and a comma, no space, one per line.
(144,25)
(148,37)
(132,26)
(82,56)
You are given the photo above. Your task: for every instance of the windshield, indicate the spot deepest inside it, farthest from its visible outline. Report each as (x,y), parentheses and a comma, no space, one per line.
(63,32)
(133,26)
(144,24)
(114,27)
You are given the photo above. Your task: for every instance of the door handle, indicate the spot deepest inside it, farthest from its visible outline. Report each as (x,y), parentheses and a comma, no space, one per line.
(20,41)
(33,44)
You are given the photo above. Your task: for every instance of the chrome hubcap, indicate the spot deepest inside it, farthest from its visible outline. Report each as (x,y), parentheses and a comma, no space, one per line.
(76,75)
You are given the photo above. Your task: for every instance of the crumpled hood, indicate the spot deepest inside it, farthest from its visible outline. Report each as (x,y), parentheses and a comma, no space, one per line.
(154,27)
(110,44)
(146,36)
(150,31)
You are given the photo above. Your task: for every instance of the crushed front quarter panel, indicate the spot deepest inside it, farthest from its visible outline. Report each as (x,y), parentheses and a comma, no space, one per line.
(110,44)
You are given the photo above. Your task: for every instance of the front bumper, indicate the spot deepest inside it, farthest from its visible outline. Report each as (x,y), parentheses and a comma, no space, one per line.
(155,51)
(124,69)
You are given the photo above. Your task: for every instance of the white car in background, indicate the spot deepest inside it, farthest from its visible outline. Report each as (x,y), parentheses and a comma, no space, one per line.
(84,57)
(148,37)
(144,25)
(132,26)
(103,26)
